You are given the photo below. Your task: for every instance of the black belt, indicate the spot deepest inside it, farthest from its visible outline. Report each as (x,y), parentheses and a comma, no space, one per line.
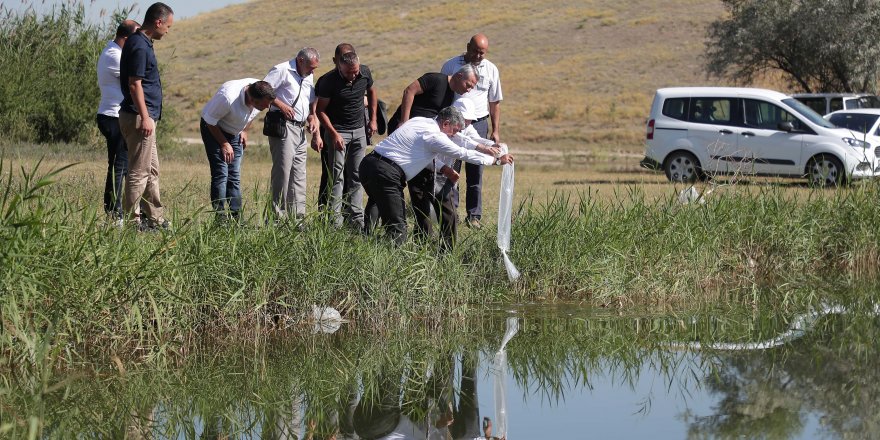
(481,119)
(388,161)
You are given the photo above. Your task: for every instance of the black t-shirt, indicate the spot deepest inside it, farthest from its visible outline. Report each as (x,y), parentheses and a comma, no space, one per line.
(139,60)
(346,106)
(436,95)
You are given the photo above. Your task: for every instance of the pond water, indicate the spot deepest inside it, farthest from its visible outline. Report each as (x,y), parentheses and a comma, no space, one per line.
(564,372)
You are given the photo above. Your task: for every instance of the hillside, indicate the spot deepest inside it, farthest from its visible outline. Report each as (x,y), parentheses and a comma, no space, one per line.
(577,75)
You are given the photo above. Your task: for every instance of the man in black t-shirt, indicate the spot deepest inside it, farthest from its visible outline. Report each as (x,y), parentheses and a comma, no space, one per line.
(425,97)
(340,109)
(430,93)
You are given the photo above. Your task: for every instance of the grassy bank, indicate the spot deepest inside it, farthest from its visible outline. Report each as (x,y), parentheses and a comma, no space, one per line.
(70,280)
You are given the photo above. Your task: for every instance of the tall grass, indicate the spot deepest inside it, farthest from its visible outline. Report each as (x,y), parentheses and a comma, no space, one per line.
(48,81)
(48,90)
(72,283)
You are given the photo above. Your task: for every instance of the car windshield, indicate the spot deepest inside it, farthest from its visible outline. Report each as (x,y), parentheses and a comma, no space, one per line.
(807,112)
(857,122)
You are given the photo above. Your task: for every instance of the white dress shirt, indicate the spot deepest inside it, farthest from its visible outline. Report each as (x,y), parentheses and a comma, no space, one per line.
(288,84)
(108,80)
(416,143)
(488,88)
(466,138)
(228,110)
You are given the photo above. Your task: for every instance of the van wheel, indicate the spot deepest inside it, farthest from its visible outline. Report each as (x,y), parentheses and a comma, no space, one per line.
(825,171)
(681,166)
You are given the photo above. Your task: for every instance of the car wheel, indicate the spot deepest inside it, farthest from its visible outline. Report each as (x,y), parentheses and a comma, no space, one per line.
(825,171)
(681,166)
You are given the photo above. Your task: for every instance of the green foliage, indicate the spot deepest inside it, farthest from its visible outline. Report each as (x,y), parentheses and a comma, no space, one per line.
(96,286)
(818,45)
(48,90)
(48,85)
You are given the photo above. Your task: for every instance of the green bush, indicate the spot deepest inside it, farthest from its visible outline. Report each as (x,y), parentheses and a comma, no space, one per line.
(48,91)
(48,85)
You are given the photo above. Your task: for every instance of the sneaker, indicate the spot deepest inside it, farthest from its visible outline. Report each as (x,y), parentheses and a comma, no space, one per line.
(473,223)
(150,225)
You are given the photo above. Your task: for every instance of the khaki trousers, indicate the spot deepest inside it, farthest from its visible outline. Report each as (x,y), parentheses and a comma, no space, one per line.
(142,184)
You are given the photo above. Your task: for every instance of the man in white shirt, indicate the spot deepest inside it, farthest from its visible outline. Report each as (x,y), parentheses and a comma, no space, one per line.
(487,98)
(108,118)
(225,121)
(401,156)
(295,93)
(445,176)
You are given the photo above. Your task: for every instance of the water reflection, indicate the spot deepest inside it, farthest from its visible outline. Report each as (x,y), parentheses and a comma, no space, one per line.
(578,376)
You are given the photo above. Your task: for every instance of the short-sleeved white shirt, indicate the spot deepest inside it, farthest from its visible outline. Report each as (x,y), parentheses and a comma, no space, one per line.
(228,108)
(416,143)
(108,80)
(287,83)
(488,88)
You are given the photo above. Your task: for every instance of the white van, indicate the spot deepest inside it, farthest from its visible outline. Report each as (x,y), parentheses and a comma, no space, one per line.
(825,103)
(698,132)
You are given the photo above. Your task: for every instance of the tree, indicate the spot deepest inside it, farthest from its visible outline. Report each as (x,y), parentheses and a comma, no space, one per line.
(818,45)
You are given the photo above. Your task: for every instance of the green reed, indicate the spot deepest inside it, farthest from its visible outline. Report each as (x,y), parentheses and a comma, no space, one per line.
(71,283)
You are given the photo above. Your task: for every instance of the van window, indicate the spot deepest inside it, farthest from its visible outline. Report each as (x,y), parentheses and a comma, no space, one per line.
(711,111)
(761,114)
(836,104)
(808,114)
(676,108)
(817,104)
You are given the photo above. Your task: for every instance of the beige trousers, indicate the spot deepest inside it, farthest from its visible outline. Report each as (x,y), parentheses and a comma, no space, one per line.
(142,184)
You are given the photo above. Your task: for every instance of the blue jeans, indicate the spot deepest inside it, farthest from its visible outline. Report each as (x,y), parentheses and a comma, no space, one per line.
(117,164)
(225,177)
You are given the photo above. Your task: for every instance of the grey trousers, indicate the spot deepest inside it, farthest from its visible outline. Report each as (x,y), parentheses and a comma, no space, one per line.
(341,191)
(289,172)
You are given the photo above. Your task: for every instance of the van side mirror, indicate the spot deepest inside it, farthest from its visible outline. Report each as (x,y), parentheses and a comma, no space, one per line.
(786,126)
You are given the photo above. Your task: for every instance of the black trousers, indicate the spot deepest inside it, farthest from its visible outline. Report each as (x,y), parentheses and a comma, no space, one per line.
(383,181)
(117,163)
(422,197)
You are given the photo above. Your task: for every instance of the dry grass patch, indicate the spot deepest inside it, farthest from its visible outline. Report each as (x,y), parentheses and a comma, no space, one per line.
(574,72)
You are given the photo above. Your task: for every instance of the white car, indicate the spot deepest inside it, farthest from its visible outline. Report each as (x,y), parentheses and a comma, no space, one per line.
(698,132)
(825,103)
(863,123)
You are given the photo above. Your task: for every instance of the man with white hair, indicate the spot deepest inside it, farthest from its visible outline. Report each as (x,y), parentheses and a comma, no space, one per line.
(409,150)
(285,126)
(446,176)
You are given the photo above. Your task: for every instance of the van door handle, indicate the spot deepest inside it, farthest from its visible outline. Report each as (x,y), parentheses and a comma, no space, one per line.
(725,131)
(747,133)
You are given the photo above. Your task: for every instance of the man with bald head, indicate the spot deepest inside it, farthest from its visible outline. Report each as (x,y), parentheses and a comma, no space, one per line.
(486,96)
(108,118)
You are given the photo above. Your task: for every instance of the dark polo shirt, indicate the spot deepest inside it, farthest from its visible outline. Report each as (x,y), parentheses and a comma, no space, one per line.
(436,95)
(138,60)
(346,106)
